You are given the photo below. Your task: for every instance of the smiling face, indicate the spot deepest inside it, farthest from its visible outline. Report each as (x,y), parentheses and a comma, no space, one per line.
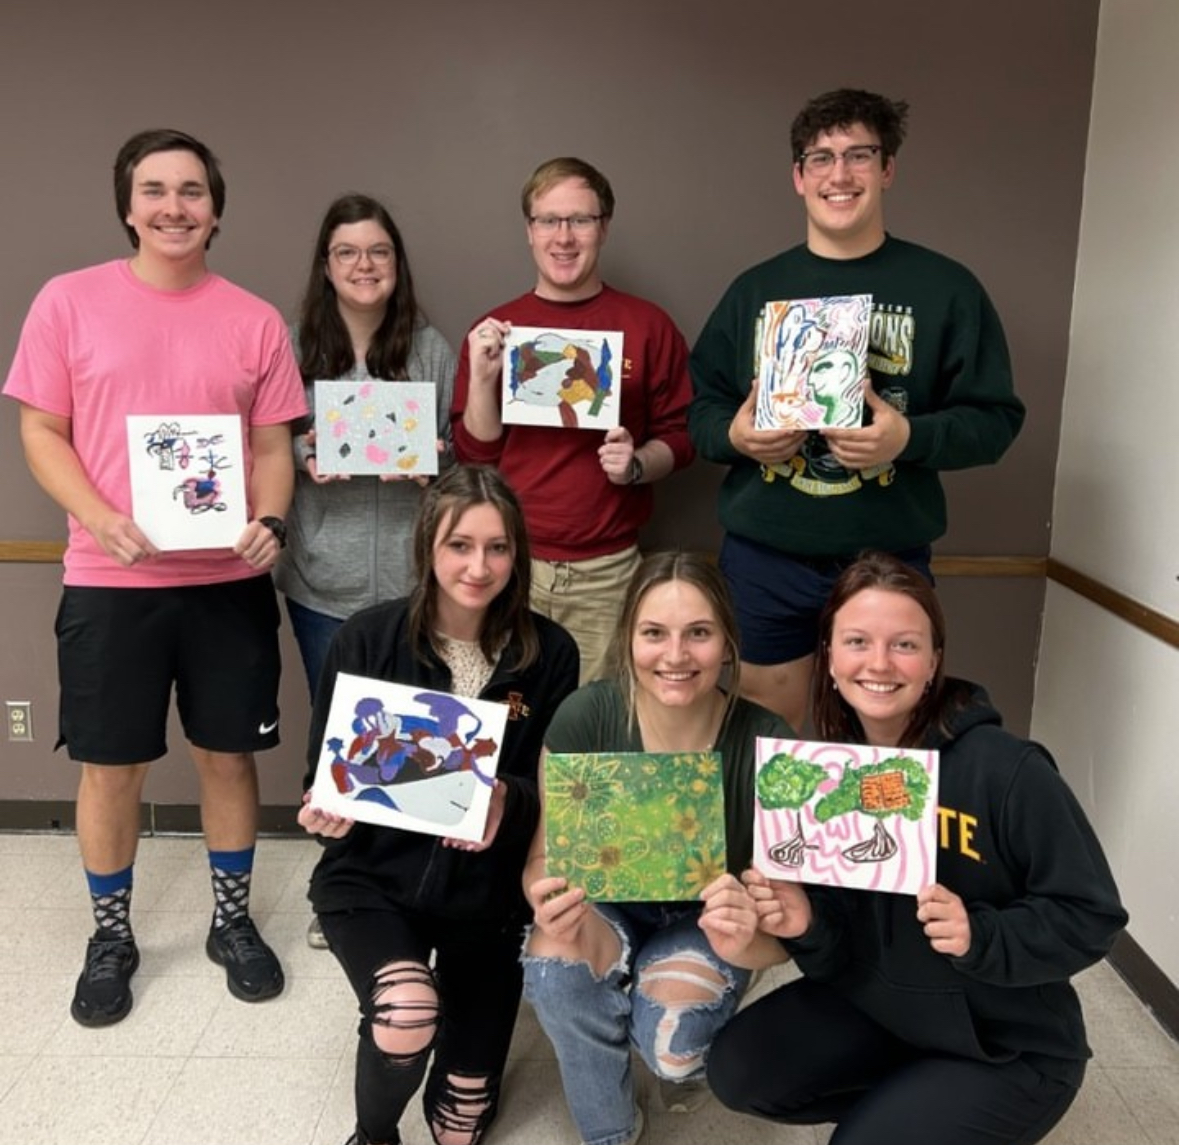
(172,214)
(882,659)
(366,284)
(845,206)
(677,645)
(567,259)
(472,560)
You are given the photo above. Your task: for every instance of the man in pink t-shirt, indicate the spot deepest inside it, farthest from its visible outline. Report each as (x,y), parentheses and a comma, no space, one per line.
(162,336)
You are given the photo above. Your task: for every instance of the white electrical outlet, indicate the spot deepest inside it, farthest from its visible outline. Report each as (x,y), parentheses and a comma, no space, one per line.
(20,720)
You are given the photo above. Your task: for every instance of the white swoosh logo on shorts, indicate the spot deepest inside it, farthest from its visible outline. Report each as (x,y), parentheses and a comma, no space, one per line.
(265,729)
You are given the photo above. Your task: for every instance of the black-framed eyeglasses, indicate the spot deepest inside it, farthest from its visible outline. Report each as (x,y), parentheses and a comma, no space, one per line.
(547,224)
(822,160)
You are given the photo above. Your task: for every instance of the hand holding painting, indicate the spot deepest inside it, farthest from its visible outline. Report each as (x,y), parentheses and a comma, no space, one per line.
(485,344)
(945,920)
(617,455)
(767,446)
(121,538)
(876,444)
(495,815)
(316,821)
(310,439)
(783,908)
(730,918)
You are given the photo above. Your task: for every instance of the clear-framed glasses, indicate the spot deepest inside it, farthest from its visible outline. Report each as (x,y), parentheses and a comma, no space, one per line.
(822,161)
(549,224)
(345,254)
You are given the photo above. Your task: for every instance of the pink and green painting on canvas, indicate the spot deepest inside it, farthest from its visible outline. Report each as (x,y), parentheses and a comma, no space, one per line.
(846,815)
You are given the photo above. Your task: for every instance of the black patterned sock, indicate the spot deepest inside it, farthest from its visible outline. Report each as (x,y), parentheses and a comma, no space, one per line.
(110,899)
(231,872)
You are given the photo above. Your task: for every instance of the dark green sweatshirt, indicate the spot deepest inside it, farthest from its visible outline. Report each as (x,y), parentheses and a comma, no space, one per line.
(936,352)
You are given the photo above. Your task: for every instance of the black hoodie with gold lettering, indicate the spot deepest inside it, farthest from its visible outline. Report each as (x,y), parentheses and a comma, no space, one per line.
(1017,848)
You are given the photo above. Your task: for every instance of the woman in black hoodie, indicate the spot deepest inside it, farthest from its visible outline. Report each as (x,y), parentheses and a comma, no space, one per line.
(948,1019)
(428,930)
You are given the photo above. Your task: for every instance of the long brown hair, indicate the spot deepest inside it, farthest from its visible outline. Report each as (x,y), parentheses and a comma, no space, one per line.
(833,717)
(325,348)
(508,619)
(701,573)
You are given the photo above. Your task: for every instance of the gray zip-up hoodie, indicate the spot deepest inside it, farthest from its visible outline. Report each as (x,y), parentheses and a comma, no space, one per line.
(350,543)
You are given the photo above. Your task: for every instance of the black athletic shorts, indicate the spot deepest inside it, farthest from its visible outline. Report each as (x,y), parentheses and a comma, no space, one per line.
(120,651)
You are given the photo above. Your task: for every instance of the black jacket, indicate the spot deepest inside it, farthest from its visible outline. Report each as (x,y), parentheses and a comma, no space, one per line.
(373,867)
(1016,846)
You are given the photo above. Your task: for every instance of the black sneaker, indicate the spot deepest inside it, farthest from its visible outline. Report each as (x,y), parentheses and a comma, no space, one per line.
(252,972)
(102,996)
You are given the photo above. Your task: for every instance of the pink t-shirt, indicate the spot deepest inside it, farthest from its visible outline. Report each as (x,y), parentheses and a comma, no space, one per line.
(99,344)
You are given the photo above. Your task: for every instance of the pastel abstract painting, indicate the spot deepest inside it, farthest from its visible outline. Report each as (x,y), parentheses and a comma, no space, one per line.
(188,479)
(635,826)
(404,757)
(846,815)
(376,427)
(568,379)
(812,358)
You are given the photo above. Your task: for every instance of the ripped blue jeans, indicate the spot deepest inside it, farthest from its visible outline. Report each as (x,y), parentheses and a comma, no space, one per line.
(593,1022)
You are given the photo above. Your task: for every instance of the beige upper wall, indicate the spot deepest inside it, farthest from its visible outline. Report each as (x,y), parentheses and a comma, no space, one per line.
(1117,513)
(1105,692)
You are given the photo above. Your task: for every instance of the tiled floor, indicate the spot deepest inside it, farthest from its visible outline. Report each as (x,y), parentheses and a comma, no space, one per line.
(192,1066)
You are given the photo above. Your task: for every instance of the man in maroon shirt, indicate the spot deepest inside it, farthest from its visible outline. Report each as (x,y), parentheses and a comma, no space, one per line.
(585,495)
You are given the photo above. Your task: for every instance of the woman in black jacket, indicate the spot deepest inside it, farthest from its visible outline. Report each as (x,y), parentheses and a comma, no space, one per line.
(948,1018)
(390,900)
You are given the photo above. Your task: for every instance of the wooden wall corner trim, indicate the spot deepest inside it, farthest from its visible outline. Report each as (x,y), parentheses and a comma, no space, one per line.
(1125,608)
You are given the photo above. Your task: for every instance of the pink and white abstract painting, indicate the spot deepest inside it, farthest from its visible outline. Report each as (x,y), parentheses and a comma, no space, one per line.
(846,815)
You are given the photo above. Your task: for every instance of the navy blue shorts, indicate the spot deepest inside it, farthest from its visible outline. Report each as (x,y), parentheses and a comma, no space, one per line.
(778,597)
(121,650)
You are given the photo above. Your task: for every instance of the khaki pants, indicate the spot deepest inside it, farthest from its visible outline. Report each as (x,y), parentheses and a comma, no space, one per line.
(586,598)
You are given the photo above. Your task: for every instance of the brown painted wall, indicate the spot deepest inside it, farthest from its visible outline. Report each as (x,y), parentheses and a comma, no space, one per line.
(443,110)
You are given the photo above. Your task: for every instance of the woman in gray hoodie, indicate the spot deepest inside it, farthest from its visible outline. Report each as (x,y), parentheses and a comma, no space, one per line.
(349,538)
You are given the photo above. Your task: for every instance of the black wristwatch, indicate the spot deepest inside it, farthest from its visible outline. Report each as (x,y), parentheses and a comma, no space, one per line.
(636,469)
(278,527)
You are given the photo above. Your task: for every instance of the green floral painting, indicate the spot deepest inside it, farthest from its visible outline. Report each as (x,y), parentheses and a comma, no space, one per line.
(635,826)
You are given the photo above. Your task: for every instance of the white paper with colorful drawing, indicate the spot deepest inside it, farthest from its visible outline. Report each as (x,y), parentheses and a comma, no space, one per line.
(567,379)
(407,757)
(188,482)
(846,815)
(812,358)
